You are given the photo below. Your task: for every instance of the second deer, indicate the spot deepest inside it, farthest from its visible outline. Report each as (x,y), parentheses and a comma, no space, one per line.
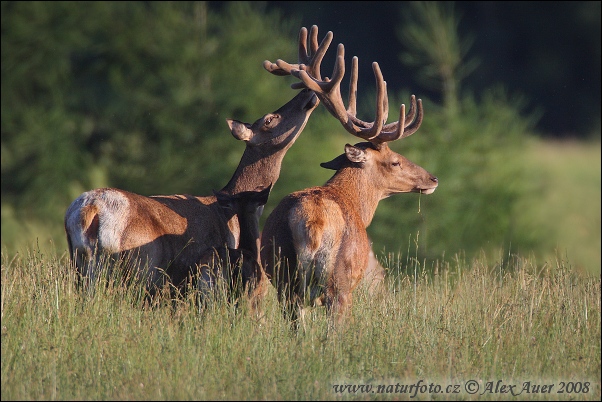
(314,244)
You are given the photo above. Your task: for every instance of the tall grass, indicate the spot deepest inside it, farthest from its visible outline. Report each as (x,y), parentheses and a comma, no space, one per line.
(443,322)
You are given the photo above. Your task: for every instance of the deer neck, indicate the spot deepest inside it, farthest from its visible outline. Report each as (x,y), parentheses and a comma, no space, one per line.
(249,234)
(257,168)
(355,189)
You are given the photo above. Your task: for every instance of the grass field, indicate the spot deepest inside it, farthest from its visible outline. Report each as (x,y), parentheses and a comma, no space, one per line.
(569,206)
(524,320)
(464,327)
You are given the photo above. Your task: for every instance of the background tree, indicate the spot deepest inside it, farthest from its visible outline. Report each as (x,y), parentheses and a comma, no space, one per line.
(468,142)
(131,95)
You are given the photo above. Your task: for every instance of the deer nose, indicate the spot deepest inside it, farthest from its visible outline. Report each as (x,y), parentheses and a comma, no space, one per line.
(434,179)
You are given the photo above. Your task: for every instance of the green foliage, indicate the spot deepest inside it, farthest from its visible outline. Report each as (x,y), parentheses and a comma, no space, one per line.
(131,95)
(471,144)
(477,158)
(446,324)
(435,49)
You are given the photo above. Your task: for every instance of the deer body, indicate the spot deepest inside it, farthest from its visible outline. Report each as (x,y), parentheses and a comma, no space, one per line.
(169,233)
(314,243)
(154,233)
(374,277)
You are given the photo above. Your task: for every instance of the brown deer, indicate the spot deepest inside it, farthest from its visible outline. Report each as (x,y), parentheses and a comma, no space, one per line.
(375,273)
(167,234)
(235,268)
(315,246)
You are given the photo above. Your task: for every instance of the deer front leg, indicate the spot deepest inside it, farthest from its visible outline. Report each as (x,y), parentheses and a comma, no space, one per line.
(338,300)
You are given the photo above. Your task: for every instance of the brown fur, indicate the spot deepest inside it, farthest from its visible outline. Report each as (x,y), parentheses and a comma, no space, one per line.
(171,232)
(90,221)
(315,247)
(238,267)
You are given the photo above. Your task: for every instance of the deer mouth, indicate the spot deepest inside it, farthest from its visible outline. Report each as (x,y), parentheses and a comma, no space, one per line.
(422,190)
(427,191)
(434,182)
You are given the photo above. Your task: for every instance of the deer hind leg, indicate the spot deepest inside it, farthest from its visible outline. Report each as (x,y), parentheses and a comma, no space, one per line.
(82,236)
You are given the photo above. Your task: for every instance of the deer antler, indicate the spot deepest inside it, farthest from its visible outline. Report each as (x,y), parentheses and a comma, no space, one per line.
(329,91)
(309,61)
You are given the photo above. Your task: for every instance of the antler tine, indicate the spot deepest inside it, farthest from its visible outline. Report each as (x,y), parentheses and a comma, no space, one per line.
(283,68)
(329,90)
(398,129)
(407,124)
(381,95)
(329,93)
(409,118)
(303,53)
(386,105)
(312,65)
(415,124)
(308,60)
(317,52)
(351,109)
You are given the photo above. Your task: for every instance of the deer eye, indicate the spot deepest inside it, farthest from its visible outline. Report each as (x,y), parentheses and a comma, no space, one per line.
(395,164)
(269,120)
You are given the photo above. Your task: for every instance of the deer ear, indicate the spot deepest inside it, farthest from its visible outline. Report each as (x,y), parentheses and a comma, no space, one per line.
(240,131)
(352,154)
(336,163)
(355,154)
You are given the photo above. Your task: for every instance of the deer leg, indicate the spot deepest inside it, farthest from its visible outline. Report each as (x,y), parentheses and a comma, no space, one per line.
(338,303)
(258,290)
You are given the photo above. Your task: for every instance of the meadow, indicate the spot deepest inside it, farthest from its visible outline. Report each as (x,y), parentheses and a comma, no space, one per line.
(449,328)
(568,205)
(444,326)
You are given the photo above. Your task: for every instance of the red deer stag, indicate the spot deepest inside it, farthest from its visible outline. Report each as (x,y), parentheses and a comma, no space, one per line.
(169,233)
(375,273)
(235,268)
(314,243)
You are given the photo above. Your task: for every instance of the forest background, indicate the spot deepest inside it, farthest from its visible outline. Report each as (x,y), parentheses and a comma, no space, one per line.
(135,95)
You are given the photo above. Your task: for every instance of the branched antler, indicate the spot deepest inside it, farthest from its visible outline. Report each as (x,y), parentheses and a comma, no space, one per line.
(309,61)
(329,91)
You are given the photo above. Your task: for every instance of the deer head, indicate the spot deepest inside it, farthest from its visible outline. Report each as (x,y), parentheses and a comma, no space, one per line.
(395,173)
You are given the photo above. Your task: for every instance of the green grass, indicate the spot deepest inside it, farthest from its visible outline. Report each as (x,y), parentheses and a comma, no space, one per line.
(450,322)
(566,199)
(533,317)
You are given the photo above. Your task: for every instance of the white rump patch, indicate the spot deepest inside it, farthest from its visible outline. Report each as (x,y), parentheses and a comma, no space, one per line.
(113,214)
